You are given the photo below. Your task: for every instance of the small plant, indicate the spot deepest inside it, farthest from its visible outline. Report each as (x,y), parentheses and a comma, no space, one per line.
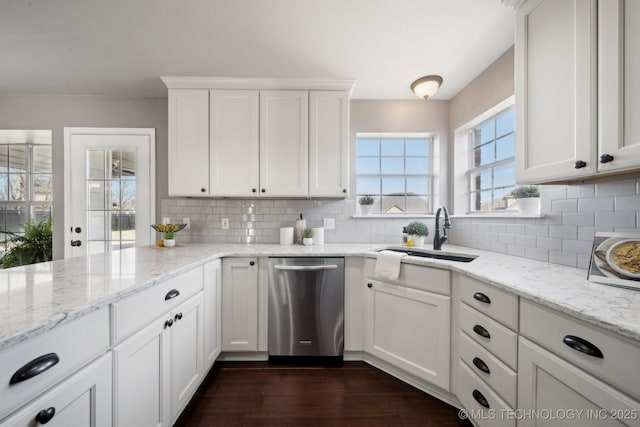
(168,235)
(366,200)
(28,248)
(417,228)
(526,192)
(308,233)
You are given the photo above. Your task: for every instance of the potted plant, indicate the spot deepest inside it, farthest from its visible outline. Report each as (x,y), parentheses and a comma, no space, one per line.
(307,240)
(528,199)
(168,239)
(31,247)
(366,204)
(417,231)
(168,233)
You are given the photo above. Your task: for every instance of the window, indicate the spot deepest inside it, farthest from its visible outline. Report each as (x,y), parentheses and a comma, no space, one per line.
(396,170)
(492,163)
(25,179)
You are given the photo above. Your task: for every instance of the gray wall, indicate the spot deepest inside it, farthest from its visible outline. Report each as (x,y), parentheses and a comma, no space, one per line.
(58,112)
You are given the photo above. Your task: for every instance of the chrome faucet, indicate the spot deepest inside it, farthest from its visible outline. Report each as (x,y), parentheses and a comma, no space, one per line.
(437,240)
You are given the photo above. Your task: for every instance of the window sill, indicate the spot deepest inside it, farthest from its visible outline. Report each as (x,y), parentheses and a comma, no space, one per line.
(497,215)
(391,216)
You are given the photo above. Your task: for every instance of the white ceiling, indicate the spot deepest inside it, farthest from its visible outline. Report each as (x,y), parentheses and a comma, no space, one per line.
(122,47)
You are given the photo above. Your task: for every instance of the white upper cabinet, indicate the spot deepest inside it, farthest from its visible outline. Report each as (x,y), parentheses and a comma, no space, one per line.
(284,148)
(328,144)
(188,161)
(555,90)
(618,84)
(235,156)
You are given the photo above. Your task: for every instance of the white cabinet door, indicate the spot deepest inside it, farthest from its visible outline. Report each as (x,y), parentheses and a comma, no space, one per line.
(186,353)
(235,150)
(142,369)
(240,304)
(84,399)
(556,113)
(284,159)
(410,329)
(548,383)
(328,144)
(618,84)
(188,154)
(212,312)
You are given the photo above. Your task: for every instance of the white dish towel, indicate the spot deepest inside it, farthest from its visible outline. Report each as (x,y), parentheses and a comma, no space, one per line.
(388,264)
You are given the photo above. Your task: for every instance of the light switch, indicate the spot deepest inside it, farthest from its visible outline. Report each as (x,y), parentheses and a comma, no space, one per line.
(187,220)
(166,220)
(329,223)
(225,223)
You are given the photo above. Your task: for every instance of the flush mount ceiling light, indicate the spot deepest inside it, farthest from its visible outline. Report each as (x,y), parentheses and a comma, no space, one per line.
(426,87)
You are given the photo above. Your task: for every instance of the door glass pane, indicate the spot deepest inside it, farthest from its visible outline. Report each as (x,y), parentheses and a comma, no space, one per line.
(97,226)
(96,164)
(96,195)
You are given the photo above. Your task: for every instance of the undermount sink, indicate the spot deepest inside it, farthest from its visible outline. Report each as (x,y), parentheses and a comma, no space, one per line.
(435,255)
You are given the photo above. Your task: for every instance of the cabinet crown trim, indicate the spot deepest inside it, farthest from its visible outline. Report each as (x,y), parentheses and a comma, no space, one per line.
(185,82)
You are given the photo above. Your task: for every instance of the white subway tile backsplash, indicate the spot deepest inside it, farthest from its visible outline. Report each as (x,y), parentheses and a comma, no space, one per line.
(537,230)
(538,254)
(580,247)
(581,191)
(579,219)
(549,243)
(563,231)
(567,205)
(627,203)
(595,204)
(616,219)
(616,188)
(564,258)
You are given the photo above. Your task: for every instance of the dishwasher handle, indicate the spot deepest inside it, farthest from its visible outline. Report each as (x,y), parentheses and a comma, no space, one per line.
(305,267)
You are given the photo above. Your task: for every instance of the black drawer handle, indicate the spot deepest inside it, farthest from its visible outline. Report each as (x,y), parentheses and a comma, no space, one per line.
(168,323)
(481,331)
(479,363)
(479,296)
(178,317)
(369,285)
(45,415)
(480,398)
(583,346)
(34,368)
(171,294)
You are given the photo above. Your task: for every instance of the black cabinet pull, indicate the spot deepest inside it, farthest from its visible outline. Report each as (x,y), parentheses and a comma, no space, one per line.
(606,158)
(369,285)
(263,190)
(252,263)
(579,164)
(178,317)
(253,190)
(45,415)
(171,294)
(479,296)
(34,368)
(168,323)
(479,363)
(344,190)
(480,398)
(481,331)
(78,230)
(583,346)
(202,190)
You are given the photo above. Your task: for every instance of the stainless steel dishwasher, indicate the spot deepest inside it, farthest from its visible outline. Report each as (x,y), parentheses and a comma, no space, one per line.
(306,307)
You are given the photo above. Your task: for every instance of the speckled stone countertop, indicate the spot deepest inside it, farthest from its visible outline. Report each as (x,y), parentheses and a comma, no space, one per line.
(36,298)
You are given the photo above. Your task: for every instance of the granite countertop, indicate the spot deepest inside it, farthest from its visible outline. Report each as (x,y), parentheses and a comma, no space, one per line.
(36,298)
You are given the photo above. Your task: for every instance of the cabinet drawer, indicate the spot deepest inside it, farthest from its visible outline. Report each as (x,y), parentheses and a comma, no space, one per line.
(73,344)
(500,341)
(618,364)
(134,312)
(495,303)
(489,368)
(472,391)
(415,276)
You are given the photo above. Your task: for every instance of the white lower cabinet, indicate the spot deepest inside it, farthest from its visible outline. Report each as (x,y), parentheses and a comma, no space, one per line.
(158,369)
(240,304)
(552,389)
(84,399)
(212,292)
(409,328)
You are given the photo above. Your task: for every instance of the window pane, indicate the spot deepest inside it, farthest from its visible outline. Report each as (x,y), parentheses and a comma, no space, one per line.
(367,147)
(505,123)
(97,225)
(393,204)
(128,194)
(417,166)
(501,199)
(392,147)
(96,196)
(481,180)
(504,175)
(393,186)
(40,213)
(4,186)
(368,165)
(392,165)
(17,158)
(484,133)
(4,158)
(16,217)
(417,147)
(418,204)
(484,155)
(42,190)
(417,186)
(17,187)
(506,147)
(127,164)
(368,185)
(42,159)
(96,164)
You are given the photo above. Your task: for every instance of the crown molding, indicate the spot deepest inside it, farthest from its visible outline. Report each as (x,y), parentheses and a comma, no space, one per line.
(184,82)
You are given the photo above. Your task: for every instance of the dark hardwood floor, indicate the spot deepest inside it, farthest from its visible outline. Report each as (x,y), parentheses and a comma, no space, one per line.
(352,394)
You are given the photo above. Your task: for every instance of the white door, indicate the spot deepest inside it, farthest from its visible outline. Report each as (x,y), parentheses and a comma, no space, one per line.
(109,189)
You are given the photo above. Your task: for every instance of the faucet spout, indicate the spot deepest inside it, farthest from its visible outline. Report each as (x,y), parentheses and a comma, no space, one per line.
(437,240)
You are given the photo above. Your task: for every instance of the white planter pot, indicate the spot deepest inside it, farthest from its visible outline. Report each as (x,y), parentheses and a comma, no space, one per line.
(168,243)
(418,241)
(366,209)
(529,206)
(307,241)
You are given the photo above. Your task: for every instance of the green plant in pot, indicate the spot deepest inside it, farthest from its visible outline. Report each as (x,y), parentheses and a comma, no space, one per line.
(417,231)
(528,199)
(35,245)
(169,238)
(366,204)
(307,239)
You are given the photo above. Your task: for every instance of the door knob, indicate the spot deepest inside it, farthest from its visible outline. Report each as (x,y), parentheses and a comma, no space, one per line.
(76,243)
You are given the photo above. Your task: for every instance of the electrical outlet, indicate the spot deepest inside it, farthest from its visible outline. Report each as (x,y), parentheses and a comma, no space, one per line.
(187,220)
(225,223)
(166,220)
(329,223)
